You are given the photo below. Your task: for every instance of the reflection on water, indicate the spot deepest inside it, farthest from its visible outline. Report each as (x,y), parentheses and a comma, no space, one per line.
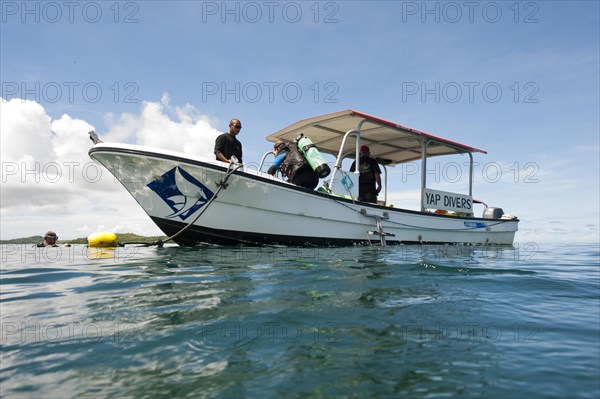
(277,321)
(100,253)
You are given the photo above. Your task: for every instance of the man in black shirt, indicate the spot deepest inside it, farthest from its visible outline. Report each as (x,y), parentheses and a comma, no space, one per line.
(227,145)
(369,175)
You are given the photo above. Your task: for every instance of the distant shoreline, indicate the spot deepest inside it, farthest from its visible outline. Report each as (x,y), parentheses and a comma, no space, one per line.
(121,237)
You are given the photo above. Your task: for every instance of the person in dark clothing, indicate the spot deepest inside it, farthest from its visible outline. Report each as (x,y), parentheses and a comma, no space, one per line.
(50,239)
(370,174)
(293,165)
(227,144)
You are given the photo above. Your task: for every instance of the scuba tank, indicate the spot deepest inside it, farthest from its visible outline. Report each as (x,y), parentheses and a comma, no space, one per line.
(313,156)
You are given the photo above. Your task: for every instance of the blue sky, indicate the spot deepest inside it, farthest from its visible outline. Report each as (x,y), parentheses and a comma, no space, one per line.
(518,79)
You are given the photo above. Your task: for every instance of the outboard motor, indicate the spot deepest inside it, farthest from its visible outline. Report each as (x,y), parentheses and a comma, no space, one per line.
(492,213)
(313,156)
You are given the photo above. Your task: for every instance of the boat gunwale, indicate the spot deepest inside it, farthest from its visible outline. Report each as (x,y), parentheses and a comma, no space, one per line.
(108,147)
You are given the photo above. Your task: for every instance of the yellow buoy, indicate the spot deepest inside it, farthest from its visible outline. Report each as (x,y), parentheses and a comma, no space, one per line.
(102,240)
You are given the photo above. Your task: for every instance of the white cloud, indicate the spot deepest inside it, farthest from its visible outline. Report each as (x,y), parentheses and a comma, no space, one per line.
(26,132)
(163,126)
(49,181)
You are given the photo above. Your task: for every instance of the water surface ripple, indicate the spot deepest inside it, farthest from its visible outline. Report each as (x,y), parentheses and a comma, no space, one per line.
(402,321)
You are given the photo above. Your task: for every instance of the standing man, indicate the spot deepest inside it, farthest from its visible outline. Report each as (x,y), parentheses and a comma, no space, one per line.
(227,145)
(369,175)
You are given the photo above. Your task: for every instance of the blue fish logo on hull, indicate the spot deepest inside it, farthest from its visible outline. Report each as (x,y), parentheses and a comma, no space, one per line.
(181,192)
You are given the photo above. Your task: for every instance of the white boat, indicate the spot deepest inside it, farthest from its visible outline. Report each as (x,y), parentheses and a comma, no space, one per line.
(200,200)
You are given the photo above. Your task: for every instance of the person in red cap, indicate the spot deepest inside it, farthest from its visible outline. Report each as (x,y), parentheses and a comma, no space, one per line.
(370,176)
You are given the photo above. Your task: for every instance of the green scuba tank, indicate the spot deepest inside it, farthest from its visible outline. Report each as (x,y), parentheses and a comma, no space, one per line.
(314,157)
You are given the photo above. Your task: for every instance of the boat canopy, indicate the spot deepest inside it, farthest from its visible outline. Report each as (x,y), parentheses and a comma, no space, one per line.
(389,142)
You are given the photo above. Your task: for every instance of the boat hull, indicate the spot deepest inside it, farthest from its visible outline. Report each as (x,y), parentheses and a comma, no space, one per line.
(180,191)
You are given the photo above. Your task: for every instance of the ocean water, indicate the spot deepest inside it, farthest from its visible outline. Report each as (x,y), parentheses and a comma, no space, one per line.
(272,322)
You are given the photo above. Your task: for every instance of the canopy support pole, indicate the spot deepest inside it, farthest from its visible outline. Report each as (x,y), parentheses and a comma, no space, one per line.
(470,174)
(424,145)
(338,162)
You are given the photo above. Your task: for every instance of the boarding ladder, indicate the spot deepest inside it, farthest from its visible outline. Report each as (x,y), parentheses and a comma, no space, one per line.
(379,232)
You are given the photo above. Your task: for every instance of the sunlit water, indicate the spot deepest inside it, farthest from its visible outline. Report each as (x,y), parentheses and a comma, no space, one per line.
(402,321)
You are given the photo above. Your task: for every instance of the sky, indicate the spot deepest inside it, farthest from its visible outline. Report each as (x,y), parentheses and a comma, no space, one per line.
(518,79)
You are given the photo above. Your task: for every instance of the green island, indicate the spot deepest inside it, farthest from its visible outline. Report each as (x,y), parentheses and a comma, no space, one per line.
(121,237)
